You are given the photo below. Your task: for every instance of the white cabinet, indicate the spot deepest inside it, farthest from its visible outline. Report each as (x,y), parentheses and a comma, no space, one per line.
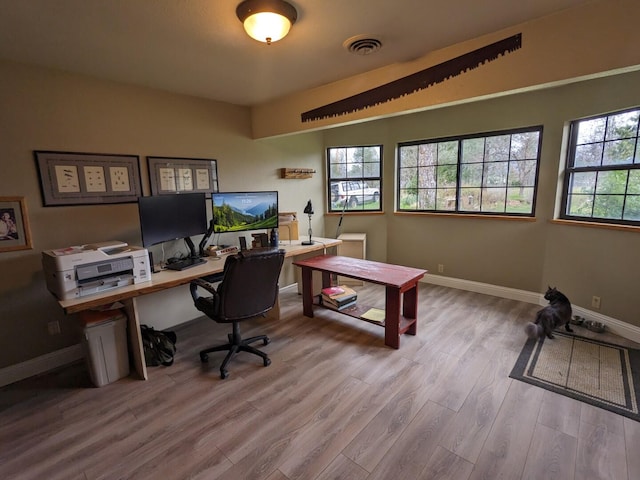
(353,245)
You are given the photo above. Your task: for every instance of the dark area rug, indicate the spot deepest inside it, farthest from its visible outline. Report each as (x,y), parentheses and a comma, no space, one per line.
(594,372)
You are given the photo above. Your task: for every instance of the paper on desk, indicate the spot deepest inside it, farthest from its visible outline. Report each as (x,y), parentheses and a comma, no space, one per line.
(374,314)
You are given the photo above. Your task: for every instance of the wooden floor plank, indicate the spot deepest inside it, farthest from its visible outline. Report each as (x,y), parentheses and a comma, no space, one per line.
(471,426)
(552,455)
(343,469)
(632,441)
(409,455)
(560,413)
(400,409)
(601,453)
(505,451)
(444,465)
(335,403)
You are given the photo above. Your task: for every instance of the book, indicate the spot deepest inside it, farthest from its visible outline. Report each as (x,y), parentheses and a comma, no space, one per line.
(332,291)
(339,303)
(338,296)
(338,292)
(344,306)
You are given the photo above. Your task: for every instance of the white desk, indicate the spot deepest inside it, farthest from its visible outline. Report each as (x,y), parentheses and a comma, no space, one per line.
(169,279)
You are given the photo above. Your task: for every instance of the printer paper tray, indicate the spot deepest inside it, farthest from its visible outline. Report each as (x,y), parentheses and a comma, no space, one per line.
(90,288)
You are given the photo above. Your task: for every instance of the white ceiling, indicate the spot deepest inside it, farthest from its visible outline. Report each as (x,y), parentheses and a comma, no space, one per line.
(198,47)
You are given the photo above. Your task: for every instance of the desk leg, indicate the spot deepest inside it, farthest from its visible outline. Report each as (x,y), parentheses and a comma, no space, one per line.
(135,338)
(392,317)
(326,280)
(410,308)
(307,292)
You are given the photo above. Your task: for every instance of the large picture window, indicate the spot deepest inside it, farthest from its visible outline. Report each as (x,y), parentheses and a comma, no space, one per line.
(355,182)
(602,178)
(493,174)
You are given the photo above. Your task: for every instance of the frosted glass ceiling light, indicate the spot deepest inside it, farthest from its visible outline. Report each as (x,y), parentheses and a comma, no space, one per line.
(267,20)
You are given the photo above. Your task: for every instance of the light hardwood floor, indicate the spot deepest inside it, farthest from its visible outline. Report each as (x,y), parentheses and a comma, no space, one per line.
(334,404)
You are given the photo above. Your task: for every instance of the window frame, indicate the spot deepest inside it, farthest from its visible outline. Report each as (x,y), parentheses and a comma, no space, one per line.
(457,210)
(571,169)
(333,207)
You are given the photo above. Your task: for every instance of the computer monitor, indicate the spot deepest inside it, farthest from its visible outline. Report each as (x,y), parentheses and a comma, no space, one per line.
(244,211)
(171,217)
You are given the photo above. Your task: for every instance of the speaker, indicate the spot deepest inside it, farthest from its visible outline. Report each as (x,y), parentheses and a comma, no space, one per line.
(153,266)
(243,243)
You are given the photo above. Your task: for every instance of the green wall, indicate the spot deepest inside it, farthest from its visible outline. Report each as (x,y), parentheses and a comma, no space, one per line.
(525,255)
(43,109)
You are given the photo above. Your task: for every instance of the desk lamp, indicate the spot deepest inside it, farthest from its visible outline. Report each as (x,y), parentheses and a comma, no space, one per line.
(309,211)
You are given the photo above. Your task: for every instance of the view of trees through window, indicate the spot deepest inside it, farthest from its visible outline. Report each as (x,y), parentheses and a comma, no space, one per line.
(492,174)
(355,178)
(602,181)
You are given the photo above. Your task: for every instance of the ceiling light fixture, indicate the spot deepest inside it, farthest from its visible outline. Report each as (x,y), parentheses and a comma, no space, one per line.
(266,20)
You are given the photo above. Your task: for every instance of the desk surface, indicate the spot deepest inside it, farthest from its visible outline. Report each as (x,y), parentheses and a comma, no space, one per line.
(171,278)
(368,270)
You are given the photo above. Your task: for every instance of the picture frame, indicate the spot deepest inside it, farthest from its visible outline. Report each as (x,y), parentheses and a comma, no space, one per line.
(171,175)
(70,178)
(15,233)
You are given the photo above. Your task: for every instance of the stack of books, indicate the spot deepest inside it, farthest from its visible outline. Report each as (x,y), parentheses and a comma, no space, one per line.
(339,298)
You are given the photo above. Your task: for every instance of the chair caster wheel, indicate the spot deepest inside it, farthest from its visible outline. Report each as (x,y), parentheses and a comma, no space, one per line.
(224,374)
(267,362)
(204,357)
(266,341)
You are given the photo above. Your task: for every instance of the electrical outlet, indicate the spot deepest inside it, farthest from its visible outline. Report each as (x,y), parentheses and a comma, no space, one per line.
(440,268)
(53,327)
(595,302)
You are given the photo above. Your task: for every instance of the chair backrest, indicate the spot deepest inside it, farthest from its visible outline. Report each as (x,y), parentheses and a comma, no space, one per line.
(250,284)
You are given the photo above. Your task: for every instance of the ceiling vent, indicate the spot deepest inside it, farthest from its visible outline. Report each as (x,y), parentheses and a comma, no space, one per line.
(362,45)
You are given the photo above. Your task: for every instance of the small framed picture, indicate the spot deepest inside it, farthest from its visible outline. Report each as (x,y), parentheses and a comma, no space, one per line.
(14,225)
(176,175)
(68,178)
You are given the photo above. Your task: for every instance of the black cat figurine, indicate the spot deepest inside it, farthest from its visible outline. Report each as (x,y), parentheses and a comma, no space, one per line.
(558,312)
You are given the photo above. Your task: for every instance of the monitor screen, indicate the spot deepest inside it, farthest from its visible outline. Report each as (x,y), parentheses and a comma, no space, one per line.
(171,217)
(242,211)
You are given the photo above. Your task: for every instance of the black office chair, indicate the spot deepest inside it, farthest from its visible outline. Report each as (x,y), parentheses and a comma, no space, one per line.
(249,288)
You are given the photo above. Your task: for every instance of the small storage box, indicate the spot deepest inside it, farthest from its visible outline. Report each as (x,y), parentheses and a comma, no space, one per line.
(105,344)
(288,226)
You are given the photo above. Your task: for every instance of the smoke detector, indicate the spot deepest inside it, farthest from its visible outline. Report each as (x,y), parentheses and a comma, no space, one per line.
(362,45)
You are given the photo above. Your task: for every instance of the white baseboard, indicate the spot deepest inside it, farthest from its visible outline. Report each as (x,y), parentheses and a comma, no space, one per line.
(59,358)
(623,329)
(485,288)
(41,364)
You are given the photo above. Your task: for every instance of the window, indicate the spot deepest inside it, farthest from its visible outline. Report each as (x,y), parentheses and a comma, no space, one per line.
(493,174)
(602,178)
(355,182)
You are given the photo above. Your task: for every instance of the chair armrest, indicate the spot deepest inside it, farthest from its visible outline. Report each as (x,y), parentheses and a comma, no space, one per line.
(198,282)
(204,284)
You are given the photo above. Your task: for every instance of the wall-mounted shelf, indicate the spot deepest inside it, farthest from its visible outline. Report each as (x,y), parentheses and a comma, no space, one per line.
(297,172)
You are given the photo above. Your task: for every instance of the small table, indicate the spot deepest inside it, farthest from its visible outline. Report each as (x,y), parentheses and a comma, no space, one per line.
(401,284)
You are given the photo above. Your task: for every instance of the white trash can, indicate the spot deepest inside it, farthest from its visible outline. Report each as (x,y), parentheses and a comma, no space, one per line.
(105,344)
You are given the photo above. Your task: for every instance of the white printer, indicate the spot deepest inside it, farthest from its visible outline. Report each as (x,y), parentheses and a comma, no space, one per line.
(78,271)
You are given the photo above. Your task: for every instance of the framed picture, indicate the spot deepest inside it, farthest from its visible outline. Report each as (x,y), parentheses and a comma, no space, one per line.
(14,225)
(173,175)
(68,178)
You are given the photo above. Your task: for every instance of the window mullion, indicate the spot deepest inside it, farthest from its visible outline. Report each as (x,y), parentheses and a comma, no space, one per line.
(458,176)
(485,184)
